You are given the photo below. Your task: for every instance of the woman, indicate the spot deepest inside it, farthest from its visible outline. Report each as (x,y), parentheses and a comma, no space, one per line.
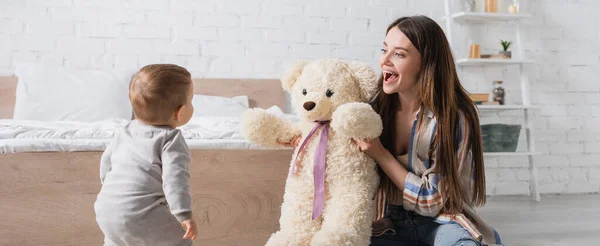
(430,152)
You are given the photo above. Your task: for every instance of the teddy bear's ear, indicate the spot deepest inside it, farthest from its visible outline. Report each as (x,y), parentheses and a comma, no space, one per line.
(366,78)
(291,74)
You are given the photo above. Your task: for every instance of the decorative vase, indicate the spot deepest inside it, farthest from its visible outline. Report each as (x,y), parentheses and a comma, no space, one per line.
(507,54)
(491,6)
(474,51)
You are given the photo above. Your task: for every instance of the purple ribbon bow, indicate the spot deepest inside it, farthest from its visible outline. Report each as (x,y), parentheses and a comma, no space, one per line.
(319,167)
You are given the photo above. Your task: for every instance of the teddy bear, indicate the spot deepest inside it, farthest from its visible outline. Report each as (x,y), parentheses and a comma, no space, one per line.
(328,198)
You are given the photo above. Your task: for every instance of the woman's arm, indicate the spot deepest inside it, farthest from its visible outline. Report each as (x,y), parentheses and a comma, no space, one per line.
(390,165)
(420,193)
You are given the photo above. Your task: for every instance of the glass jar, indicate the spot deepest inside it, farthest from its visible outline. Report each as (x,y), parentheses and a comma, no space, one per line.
(498,92)
(514,7)
(468,5)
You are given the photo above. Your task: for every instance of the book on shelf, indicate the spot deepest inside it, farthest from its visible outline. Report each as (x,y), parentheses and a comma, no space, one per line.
(486,103)
(479,98)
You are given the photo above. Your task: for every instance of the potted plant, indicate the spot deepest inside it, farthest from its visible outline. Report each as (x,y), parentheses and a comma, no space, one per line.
(505,45)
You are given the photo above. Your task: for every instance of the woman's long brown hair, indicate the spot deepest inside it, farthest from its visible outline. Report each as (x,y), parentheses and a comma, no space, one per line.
(440,91)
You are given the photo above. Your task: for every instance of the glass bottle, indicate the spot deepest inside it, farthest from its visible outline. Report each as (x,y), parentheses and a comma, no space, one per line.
(468,5)
(498,92)
(514,7)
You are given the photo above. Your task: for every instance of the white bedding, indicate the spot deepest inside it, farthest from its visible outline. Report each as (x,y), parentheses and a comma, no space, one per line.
(66,136)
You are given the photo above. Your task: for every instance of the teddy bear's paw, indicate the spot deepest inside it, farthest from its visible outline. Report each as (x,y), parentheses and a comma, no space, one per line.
(356,120)
(327,237)
(287,239)
(253,123)
(263,128)
(278,239)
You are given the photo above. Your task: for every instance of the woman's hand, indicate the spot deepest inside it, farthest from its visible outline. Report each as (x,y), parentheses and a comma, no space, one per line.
(371,147)
(384,158)
(293,143)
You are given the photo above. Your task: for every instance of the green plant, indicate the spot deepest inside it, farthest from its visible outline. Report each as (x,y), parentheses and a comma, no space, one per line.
(505,44)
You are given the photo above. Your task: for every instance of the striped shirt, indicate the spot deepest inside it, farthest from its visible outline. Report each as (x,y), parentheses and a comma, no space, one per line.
(421,187)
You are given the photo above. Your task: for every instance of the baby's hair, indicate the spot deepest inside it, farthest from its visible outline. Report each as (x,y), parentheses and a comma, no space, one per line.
(157,91)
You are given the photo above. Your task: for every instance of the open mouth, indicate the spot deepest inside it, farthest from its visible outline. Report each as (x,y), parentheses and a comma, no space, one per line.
(389,76)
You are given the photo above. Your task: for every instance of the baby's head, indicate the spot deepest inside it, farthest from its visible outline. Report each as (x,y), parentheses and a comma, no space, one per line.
(161,94)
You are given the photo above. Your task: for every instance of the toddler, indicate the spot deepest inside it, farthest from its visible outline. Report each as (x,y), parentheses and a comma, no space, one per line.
(144,171)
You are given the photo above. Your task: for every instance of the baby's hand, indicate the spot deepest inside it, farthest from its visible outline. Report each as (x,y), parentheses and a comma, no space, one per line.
(190,229)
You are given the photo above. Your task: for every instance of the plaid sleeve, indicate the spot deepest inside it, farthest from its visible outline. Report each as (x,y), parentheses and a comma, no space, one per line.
(421,193)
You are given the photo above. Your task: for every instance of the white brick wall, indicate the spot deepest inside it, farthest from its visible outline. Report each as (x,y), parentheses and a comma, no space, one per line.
(259,38)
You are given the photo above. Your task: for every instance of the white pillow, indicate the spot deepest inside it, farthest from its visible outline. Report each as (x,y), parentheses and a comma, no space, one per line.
(59,94)
(277,111)
(205,105)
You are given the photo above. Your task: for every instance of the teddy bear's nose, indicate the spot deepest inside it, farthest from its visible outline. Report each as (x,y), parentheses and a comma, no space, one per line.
(309,105)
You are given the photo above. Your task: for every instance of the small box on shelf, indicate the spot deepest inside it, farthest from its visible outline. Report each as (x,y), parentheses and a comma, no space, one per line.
(479,97)
(488,103)
(494,56)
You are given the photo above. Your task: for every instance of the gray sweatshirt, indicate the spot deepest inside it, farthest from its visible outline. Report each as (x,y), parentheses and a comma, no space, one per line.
(143,167)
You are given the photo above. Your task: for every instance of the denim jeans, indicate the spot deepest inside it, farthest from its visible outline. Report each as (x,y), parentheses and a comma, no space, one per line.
(415,230)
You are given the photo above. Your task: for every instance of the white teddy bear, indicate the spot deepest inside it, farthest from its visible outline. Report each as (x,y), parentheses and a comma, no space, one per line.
(329,192)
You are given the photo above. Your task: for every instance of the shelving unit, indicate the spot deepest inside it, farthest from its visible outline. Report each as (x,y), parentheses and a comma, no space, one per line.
(482,17)
(498,154)
(490,61)
(506,107)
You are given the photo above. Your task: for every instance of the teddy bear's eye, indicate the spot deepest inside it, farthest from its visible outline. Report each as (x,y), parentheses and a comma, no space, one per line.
(304,92)
(329,93)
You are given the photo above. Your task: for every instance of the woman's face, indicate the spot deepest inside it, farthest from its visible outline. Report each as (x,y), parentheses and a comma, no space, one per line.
(400,62)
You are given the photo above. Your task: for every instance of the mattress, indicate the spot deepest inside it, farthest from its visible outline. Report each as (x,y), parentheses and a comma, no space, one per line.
(67,136)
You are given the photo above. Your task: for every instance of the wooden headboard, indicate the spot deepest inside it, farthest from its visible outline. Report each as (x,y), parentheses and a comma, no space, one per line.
(262,93)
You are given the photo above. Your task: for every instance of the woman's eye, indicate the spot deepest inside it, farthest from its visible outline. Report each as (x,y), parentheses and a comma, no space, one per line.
(383,51)
(398,55)
(304,92)
(329,93)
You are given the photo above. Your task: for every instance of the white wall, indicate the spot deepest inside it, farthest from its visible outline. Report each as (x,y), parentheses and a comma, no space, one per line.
(257,39)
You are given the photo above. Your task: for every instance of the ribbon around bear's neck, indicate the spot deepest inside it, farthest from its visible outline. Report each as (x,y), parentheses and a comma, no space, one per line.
(319,167)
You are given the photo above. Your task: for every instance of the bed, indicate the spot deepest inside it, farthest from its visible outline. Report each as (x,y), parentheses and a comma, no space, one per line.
(47,191)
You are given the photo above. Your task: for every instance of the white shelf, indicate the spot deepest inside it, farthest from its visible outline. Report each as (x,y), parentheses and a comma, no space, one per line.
(506,107)
(490,61)
(483,16)
(516,20)
(507,154)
